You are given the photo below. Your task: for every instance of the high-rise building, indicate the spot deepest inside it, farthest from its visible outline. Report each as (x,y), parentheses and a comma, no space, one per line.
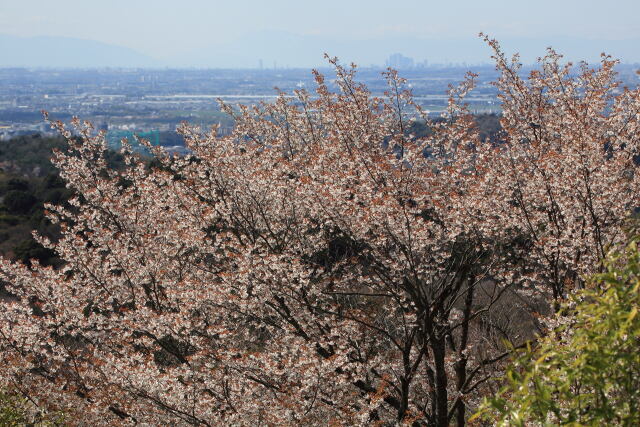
(399,61)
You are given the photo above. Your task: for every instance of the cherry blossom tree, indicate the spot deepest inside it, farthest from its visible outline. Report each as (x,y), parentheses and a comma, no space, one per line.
(319,264)
(566,176)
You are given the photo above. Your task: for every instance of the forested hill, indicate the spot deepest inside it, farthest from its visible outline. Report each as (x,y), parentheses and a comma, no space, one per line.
(27,181)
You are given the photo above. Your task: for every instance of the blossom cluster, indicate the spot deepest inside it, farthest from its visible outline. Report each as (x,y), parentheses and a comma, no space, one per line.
(321,264)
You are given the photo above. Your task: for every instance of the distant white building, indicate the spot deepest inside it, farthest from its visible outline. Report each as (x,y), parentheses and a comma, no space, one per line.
(399,61)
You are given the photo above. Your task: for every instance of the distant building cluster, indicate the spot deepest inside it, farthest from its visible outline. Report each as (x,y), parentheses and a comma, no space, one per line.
(18,128)
(401,62)
(127,101)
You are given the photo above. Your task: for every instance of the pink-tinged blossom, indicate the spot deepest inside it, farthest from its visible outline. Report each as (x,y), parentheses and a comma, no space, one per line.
(315,266)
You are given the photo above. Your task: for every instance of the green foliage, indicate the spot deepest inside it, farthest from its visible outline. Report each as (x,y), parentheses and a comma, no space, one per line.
(11,412)
(19,202)
(29,155)
(587,371)
(17,184)
(29,180)
(17,411)
(21,211)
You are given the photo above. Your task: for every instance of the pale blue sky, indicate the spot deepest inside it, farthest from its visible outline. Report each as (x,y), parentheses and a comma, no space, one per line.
(162,28)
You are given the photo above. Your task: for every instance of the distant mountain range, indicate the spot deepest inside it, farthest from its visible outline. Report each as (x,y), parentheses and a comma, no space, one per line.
(273,49)
(64,52)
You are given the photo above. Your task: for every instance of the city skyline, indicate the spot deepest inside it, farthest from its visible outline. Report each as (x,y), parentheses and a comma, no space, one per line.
(221,34)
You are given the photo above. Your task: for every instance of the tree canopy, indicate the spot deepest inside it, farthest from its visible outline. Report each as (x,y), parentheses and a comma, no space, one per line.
(321,264)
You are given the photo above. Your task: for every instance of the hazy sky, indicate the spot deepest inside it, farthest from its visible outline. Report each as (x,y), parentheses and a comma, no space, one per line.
(161,27)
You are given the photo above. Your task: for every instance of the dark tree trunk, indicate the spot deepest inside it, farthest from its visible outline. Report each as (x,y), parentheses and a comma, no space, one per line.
(441,404)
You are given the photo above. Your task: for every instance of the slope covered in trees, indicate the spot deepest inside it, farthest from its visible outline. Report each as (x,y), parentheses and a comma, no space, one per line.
(321,264)
(27,181)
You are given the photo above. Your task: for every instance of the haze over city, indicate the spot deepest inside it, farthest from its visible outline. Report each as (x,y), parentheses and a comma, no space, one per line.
(292,34)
